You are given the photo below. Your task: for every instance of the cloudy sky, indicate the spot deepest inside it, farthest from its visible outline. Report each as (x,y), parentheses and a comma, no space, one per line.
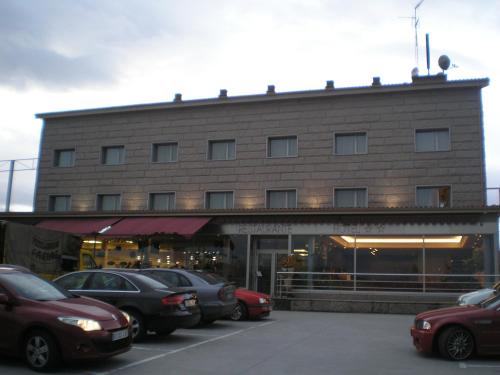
(72,54)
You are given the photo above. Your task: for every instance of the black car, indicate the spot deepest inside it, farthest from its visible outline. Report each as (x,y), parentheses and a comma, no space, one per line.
(216,296)
(151,306)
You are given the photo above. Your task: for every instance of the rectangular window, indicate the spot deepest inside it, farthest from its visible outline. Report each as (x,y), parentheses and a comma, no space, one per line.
(113,155)
(281,199)
(219,199)
(162,201)
(351,144)
(350,198)
(433,196)
(282,147)
(432,140)
(60,203)
(222,150)
(165,152)
(64,158)
(108,202)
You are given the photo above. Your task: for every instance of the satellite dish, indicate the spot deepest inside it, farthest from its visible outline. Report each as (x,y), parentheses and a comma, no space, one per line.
(444,62)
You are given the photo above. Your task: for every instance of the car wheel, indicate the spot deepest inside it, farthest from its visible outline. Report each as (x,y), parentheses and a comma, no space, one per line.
(165,332)
(456,343)
(41,351)
(138,325)
(239,312)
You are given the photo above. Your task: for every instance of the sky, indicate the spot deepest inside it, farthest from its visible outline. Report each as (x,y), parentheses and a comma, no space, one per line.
(58,55)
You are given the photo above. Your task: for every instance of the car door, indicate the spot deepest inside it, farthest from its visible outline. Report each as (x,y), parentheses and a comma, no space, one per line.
(108,287)
(487,326)
(9,325)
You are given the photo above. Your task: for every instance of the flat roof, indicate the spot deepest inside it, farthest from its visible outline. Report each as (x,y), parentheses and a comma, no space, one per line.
(420,83)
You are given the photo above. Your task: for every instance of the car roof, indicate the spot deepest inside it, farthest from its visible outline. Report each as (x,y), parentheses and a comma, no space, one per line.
(13,268)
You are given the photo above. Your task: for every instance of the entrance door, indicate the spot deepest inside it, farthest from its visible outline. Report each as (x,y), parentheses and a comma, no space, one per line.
(266,264)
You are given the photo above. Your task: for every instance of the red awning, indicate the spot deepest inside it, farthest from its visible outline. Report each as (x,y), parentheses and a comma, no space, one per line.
(78,226)
(135,226)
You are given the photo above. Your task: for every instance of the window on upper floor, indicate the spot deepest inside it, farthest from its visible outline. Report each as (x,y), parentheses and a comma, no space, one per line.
(113,155)
(282,147)
(351,143)
(433,196)
(108,202)
(64,158)
(164,152)
(427,140)
(352,197)
(222,150)
(162,201)
(219,199)
(59,203)
(281,198)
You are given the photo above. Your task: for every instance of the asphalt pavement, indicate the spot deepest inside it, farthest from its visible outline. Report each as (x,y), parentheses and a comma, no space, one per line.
(285,343)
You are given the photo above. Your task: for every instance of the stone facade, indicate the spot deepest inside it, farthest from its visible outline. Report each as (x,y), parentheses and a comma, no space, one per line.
(390,170)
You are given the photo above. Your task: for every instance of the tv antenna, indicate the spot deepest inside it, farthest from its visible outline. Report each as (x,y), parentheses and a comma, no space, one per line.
(416,20)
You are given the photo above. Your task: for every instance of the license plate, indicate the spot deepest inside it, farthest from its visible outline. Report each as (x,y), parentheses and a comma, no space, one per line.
(190,302)
(118,335)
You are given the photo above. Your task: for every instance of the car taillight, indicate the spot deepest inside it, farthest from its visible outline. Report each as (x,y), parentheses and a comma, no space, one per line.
(177,299)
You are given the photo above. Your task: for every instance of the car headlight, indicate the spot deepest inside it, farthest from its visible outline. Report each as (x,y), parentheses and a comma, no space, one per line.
(262,300)
(126,315)
(85,324)
(424,325)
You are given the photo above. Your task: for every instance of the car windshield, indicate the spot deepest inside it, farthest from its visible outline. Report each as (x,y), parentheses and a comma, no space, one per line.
(492,302)
(33,287)
(210,278)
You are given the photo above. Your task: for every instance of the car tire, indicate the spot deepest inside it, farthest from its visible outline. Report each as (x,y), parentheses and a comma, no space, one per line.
(41,351)
(138,325)
(456,343)
(240,312)
(165,332)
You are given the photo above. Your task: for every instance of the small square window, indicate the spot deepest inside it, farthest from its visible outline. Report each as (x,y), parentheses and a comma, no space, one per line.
(113,155)
(281,199)
(351,144)
(165,152)
(350,198)
(219,199)
(282,147)
(108,202)
(64,158)
(433,196)
(432,140)
(59,203)
(222,150)
(162,201)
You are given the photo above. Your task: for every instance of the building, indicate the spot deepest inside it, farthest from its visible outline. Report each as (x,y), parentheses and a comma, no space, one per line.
(367,188)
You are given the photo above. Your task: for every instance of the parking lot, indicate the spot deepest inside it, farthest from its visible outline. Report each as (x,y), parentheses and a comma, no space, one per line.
(286,343)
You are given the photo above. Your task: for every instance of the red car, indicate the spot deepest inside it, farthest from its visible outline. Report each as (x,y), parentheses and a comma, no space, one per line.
(251,305)
(45,324)
(459,332)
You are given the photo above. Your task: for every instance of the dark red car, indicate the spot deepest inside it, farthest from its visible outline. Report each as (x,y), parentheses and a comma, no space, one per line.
(459,332)
(251,305)
(45,324)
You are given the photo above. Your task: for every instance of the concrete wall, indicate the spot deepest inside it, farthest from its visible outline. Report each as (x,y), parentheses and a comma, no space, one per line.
(390,170)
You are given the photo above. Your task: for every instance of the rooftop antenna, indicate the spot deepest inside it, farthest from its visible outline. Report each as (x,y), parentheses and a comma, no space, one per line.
(415,21)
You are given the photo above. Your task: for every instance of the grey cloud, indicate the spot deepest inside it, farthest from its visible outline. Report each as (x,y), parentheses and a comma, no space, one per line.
(67,44)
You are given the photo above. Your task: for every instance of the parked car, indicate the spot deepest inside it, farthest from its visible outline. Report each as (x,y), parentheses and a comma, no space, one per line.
(251,305)
(477,296)
(216,296)
(151,306)
(459,332)
(45,324)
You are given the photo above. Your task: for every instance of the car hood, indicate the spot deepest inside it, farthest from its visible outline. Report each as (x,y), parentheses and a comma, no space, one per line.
(477,292)
(83,307)
(448,311)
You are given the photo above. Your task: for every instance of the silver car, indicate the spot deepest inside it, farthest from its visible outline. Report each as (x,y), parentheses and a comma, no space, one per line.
(477,296)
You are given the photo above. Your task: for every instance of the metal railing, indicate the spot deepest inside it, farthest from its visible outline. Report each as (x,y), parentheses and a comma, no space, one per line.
(293,284)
